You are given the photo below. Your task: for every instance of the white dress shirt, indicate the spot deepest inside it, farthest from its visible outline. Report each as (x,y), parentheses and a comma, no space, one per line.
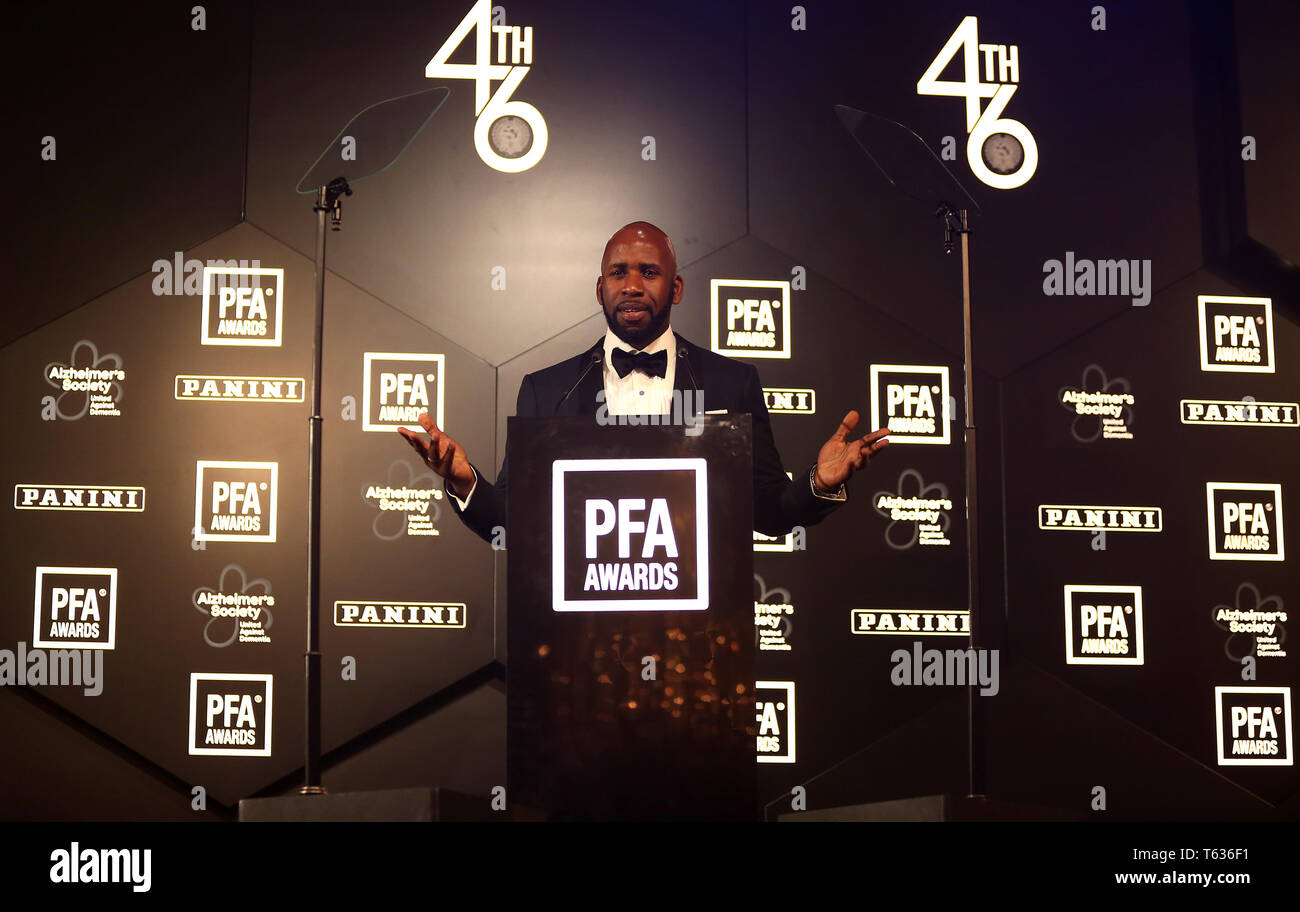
(638,393)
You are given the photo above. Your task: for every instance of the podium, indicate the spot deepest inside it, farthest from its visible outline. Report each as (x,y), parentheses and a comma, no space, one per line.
(630,613)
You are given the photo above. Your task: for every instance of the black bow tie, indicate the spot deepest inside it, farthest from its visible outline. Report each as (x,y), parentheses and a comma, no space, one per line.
(625,362)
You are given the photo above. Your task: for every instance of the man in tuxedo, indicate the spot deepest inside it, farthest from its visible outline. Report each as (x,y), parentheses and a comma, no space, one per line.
(638,365)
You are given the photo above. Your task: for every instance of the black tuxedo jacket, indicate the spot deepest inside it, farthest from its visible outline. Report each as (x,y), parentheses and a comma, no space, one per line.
(779,503)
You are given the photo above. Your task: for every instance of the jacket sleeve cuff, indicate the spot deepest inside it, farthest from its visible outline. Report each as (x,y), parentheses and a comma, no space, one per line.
(841,494)
(463,504)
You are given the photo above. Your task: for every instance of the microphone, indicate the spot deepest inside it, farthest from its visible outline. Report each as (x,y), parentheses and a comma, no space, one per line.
(597,357)
(682,357)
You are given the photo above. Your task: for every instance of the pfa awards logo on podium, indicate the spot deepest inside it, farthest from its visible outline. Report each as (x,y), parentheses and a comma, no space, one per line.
(630,535)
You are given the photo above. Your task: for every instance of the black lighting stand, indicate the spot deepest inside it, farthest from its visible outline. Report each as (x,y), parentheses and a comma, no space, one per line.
(958,221)
(328,201)
(381,132)
(912,168)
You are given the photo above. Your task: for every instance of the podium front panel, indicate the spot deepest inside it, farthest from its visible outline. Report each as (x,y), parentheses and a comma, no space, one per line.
(631,631)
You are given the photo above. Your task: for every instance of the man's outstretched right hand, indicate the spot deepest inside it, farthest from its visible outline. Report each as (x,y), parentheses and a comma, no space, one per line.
(442,454)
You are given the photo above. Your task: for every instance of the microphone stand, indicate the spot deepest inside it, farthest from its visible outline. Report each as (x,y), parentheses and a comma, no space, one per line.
(328,200)
(957,221)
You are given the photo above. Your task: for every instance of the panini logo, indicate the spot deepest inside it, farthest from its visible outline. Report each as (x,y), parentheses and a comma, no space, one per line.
(774,713)
(750,318)
(1236,334)
(89,498)
(235,501)
(1079,518)
(1103,625)
(230,715)
(1254,726)
(1244,520)
(234,314)
(615,544)
(884,621)
(913,400)
(75,608)
(1240,413)
(398,386)
(790,401)
(194,388)
(428,615)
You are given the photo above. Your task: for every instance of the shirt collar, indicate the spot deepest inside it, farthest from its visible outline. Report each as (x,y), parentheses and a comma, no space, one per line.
(666,342)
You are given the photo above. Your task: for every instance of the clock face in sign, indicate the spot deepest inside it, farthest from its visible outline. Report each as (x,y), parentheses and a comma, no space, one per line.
(1002,153)
(510,136)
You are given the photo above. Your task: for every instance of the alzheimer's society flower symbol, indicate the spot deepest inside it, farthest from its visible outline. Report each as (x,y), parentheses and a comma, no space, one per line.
(910,485)
(1087,428)
(233,579)
(391,524)
(84,355)
(1247,599)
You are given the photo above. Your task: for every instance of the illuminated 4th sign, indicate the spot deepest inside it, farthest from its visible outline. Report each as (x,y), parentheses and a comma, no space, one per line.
(1001,151)
(508,135)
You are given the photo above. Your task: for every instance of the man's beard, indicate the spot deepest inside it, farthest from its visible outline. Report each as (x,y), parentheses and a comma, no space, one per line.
(638,336)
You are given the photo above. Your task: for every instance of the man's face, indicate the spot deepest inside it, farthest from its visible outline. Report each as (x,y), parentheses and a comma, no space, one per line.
(638,285)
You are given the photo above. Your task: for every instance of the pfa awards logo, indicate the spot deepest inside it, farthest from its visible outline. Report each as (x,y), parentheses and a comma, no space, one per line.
(630,535)
(230,715)
(1244,520)
(750,318)
(76,608)
(235,501)
(235,313)
(912,400)
(89,384)
(1236,334)
(509,135)
(1253,726)
(398,386)
(1103,625)
(1001,152)
(774,713)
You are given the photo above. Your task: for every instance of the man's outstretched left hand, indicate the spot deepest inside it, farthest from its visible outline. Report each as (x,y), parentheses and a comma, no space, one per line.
(840,457)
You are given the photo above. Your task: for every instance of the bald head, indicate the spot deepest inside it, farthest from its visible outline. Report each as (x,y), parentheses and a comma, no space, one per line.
(652,234)
(638,283)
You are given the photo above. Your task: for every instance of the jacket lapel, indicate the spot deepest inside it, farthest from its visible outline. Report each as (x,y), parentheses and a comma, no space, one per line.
(582,401)
(682,376)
